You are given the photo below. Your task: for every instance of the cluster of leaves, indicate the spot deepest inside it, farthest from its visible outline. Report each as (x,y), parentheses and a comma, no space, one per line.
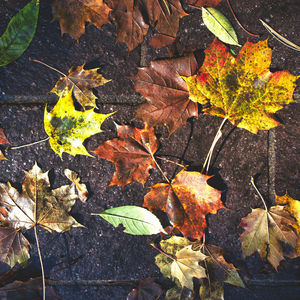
(241,89)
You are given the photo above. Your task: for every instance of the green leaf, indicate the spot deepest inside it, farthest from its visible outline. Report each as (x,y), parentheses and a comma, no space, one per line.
(19,33)
(135,219)
(219,25)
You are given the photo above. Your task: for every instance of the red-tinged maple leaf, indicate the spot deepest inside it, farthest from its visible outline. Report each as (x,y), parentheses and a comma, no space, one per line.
(132,153)
(3,141)
(206,3)
(166,92)
(242,88)
(73,14)
(187,200)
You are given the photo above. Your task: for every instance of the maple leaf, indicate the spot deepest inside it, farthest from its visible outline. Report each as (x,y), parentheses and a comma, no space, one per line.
(147,289)
(82,81)
(293,207)
(132,153)
(67,128)
(181,262)
(166,92)
(265,231)
(37,205)
(241,88)
(206,3)
(73,14)
(131,26)
(187,200)
(3,141)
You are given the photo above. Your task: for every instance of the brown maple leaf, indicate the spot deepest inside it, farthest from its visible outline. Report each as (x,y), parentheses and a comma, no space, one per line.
(204,3)
(166,92)
(187,200)
(132,153)
(147,289)
(82,81)
(73,14)
(265,231)
(242,88)
(3,141)
(37,205)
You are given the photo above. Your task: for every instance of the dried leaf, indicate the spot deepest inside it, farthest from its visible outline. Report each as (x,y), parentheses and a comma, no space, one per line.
(73,14)
(135,219)
(80,187)
(205,3)
(37,205)
(132,152)
(68,128)
(3,141)
(267,231)
(82,81)
(166,92)
(242,88)
(177,293)
(19,33)
(147,289)
(293,207)
(185,263)
(219,25)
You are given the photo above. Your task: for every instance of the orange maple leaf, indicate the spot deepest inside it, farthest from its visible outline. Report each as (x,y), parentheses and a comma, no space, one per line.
(187,200)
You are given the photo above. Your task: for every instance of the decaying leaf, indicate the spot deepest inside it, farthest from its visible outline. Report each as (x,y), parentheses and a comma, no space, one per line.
(293,207)
(73,14)
(242,88)
(3,141)
(166,92)
(132,153)
(36,205)
(266,231)
(80,187)
(19,33)
(82,81)
(147,289)
(185,262)
(219,25)
(186,201)
(204,3)
(67,128)
(178,293)
(135,219)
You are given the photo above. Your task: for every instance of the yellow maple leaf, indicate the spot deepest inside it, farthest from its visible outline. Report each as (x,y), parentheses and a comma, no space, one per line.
(241,88)
(68,128)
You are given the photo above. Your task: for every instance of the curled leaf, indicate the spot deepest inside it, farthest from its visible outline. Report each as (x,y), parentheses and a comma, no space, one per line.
(81,187)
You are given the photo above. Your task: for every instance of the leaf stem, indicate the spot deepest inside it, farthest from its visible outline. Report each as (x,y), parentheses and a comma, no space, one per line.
(258,192)
(171,161)
(158,166)
(28,145)
(52,68)
(41,262)
(162,252)
(210,152)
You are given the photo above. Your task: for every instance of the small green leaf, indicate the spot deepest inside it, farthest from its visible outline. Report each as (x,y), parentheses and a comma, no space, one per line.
(135,219)
(219,25)
(19,33)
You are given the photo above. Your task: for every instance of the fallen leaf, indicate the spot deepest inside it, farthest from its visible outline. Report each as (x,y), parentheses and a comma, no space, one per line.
(135,219)
(147,289)
(293,207)
(19,33)
(160,40)
(37,205)
(67,128)
(131,26)
(177,293)
(186,201)
(73,14)
(204,3)
(3,141)
(166,92)
(265,232)
(82,81)
(241,88)
(80,187)
(181,262)
(132,153)
(219,25)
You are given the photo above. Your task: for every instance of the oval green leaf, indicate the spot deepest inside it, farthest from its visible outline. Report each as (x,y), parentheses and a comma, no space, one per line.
(19,33)
(135,219)
(219,25)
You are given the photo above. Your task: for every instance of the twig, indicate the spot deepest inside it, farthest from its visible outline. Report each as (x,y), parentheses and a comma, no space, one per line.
(28,145)
(260,195)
